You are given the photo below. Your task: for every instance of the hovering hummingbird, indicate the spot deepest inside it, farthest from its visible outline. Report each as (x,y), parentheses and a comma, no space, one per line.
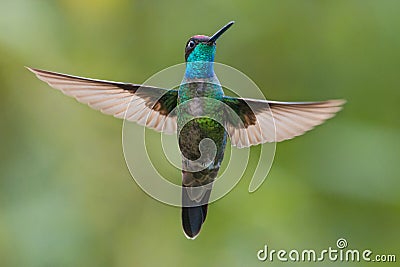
(153,107)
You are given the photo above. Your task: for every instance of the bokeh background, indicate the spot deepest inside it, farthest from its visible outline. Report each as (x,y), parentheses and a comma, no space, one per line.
(66,195)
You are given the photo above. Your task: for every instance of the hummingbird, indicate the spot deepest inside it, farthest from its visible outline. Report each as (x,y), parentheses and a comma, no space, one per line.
(166,110)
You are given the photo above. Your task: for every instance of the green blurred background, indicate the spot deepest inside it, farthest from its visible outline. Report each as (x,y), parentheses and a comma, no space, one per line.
(66,196)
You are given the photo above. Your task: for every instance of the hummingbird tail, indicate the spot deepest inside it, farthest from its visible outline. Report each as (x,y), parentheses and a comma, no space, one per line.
(194,205)
(192,220)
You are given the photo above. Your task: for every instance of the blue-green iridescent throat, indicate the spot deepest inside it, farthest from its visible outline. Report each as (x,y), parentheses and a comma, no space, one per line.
(200,62)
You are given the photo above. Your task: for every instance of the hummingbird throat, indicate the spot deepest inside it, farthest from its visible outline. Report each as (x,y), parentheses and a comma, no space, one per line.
(200,62)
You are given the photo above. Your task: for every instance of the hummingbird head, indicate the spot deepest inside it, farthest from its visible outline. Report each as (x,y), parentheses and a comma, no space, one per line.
(202,47)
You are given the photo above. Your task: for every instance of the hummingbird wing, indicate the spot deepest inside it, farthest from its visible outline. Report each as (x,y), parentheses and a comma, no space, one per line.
(146,105)
(264,121)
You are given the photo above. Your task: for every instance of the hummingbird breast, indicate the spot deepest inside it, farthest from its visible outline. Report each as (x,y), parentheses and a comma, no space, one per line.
(200,117)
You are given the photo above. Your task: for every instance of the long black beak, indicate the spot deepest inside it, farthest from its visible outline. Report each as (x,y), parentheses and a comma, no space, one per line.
(220,32)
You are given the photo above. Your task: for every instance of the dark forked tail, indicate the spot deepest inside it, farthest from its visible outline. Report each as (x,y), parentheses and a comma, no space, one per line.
(194,203)
(193,218)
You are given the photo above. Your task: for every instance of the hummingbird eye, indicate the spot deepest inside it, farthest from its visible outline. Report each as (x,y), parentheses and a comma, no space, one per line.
(191,44)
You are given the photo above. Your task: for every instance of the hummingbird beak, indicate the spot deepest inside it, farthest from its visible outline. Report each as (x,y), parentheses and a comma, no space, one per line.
(219,33)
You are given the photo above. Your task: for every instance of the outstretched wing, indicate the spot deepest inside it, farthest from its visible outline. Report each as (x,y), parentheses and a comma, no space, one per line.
(146,105)
(264,121)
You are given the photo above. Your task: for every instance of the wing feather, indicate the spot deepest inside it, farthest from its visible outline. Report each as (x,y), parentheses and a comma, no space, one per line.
(133,102)
(272,121)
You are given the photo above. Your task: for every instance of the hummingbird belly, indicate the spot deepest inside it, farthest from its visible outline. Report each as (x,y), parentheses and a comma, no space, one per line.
(190,137)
